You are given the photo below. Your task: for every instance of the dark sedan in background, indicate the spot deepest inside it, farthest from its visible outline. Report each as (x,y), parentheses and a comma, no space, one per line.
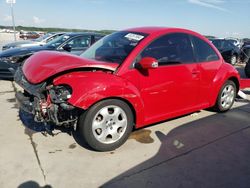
(36,42)
(228,50)
(74,43)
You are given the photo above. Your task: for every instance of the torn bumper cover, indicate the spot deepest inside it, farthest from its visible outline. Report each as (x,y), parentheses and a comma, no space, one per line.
(47,103)
(26,100)
(24,103)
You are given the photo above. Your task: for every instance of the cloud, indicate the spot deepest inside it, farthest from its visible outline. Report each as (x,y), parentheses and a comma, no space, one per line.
(215,4)
(37,20)
(7,18)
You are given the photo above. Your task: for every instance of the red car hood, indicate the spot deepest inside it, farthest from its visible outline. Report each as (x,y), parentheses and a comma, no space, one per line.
(45,64)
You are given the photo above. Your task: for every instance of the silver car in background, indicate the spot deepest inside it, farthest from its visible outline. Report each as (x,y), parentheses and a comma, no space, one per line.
(36,42)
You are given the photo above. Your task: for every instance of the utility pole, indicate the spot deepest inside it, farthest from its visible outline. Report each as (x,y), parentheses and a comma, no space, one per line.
(12,2)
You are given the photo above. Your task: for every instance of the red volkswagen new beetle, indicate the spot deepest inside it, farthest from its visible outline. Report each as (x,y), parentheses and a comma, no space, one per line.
(128,79)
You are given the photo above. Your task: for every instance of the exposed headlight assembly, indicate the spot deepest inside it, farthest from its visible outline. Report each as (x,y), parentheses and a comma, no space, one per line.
(7,47)
(60,93)
(14,59)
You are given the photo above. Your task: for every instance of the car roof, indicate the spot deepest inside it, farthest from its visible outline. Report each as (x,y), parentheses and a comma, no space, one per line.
(147,30)
(157,30)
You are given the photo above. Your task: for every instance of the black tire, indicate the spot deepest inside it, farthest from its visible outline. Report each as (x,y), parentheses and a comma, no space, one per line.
(96,115)
(233,60)
(221,105)
(247,69)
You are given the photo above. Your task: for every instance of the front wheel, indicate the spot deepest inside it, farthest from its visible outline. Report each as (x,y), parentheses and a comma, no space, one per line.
(106,125)
(226,97)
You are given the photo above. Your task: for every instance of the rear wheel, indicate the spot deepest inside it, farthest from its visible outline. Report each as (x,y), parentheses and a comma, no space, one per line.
(106,125)
(226,97)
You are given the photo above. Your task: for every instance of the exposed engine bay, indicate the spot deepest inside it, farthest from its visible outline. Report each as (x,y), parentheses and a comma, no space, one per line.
(48,103)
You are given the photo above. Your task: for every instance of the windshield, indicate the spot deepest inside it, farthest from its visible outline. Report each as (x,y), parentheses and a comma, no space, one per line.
(115,47)
(233,41)
(218,44)
(57,41)
(40,39)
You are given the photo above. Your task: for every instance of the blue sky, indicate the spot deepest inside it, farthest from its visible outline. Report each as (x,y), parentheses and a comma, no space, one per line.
(221,18)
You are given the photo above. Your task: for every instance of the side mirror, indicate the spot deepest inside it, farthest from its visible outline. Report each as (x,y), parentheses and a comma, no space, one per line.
(148,63)
(67,47)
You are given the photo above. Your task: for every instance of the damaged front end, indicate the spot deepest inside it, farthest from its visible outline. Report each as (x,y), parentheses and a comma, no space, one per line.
(46,102)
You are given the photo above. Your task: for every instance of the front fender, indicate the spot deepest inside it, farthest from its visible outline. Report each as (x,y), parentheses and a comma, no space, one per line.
(90,87)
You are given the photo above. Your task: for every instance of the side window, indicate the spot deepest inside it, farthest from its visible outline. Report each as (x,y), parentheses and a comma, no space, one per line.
(52,38)
(170,49)
(80,42)
(204,52)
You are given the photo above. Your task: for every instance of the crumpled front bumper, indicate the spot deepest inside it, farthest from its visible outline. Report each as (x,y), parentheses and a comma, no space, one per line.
(25,99)
(24,103)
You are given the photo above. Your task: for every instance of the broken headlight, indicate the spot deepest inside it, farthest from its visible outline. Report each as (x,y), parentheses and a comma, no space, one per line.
(14,59)
(60,93)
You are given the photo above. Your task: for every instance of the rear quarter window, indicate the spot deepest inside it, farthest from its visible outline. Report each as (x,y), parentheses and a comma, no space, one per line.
(203,51)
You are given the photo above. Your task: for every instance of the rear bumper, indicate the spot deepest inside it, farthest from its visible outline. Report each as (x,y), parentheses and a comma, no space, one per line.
(244,83)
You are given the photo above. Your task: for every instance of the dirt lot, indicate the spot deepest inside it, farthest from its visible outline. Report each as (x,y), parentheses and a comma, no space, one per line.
(203,149)
(6,38)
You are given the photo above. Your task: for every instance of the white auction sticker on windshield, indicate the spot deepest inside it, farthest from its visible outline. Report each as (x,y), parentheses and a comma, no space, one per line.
(132,36)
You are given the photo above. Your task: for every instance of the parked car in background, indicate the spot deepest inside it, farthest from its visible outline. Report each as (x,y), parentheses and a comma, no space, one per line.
(245,53)
(74,43)
(246,58)
(229,51)
(246,42)
(235,41)
(35,42)
(247,69)
(126,80)
(29,35)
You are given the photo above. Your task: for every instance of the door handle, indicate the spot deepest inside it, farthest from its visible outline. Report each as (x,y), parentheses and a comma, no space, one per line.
(195,72)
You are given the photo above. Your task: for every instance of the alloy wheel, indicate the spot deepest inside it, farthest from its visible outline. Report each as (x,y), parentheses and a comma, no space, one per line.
(227,96)
(109,124)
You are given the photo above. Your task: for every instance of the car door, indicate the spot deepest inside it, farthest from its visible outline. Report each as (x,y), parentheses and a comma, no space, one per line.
(172,88)
(209,64)
(77,45)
